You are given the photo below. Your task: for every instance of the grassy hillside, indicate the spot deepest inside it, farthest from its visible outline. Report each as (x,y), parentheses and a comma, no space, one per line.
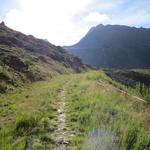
(97,115)
(27,59)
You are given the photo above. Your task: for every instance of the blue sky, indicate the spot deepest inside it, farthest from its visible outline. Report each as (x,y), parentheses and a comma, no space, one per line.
(64,22)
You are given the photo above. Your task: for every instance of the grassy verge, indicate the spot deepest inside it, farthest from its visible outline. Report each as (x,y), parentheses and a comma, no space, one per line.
(102,118)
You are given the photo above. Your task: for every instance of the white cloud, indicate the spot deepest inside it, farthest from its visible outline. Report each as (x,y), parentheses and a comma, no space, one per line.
(95,17)
(51,19)
(63,22)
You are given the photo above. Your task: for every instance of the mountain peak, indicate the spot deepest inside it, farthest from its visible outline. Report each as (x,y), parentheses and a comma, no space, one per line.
(100,25)
(2,23)
(114,46)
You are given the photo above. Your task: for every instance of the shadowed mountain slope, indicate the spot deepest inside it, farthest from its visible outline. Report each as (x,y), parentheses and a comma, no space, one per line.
(114,46)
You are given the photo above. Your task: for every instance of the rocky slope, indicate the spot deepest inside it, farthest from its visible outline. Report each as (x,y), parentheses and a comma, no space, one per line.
(25,58)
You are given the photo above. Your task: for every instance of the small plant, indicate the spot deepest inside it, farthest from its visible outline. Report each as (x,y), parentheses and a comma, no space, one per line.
(143,142)
(25,123)
(3,87)
(131,137)
(46,138)
(143,90)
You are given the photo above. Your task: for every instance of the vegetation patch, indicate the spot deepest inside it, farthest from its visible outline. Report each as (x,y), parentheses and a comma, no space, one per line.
(99,113)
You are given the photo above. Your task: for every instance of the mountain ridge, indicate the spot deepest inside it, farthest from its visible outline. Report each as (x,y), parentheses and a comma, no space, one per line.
(114,46)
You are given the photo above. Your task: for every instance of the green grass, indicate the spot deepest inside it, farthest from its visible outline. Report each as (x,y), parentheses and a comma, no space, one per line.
(137,79)
(94,109)
(143,91)
(97,116)
(29,116)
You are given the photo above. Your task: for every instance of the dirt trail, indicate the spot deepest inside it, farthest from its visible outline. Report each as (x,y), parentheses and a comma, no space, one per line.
(61,133)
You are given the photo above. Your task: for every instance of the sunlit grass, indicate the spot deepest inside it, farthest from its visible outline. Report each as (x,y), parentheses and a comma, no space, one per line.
(97,115)
(94,108)
(28,116)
